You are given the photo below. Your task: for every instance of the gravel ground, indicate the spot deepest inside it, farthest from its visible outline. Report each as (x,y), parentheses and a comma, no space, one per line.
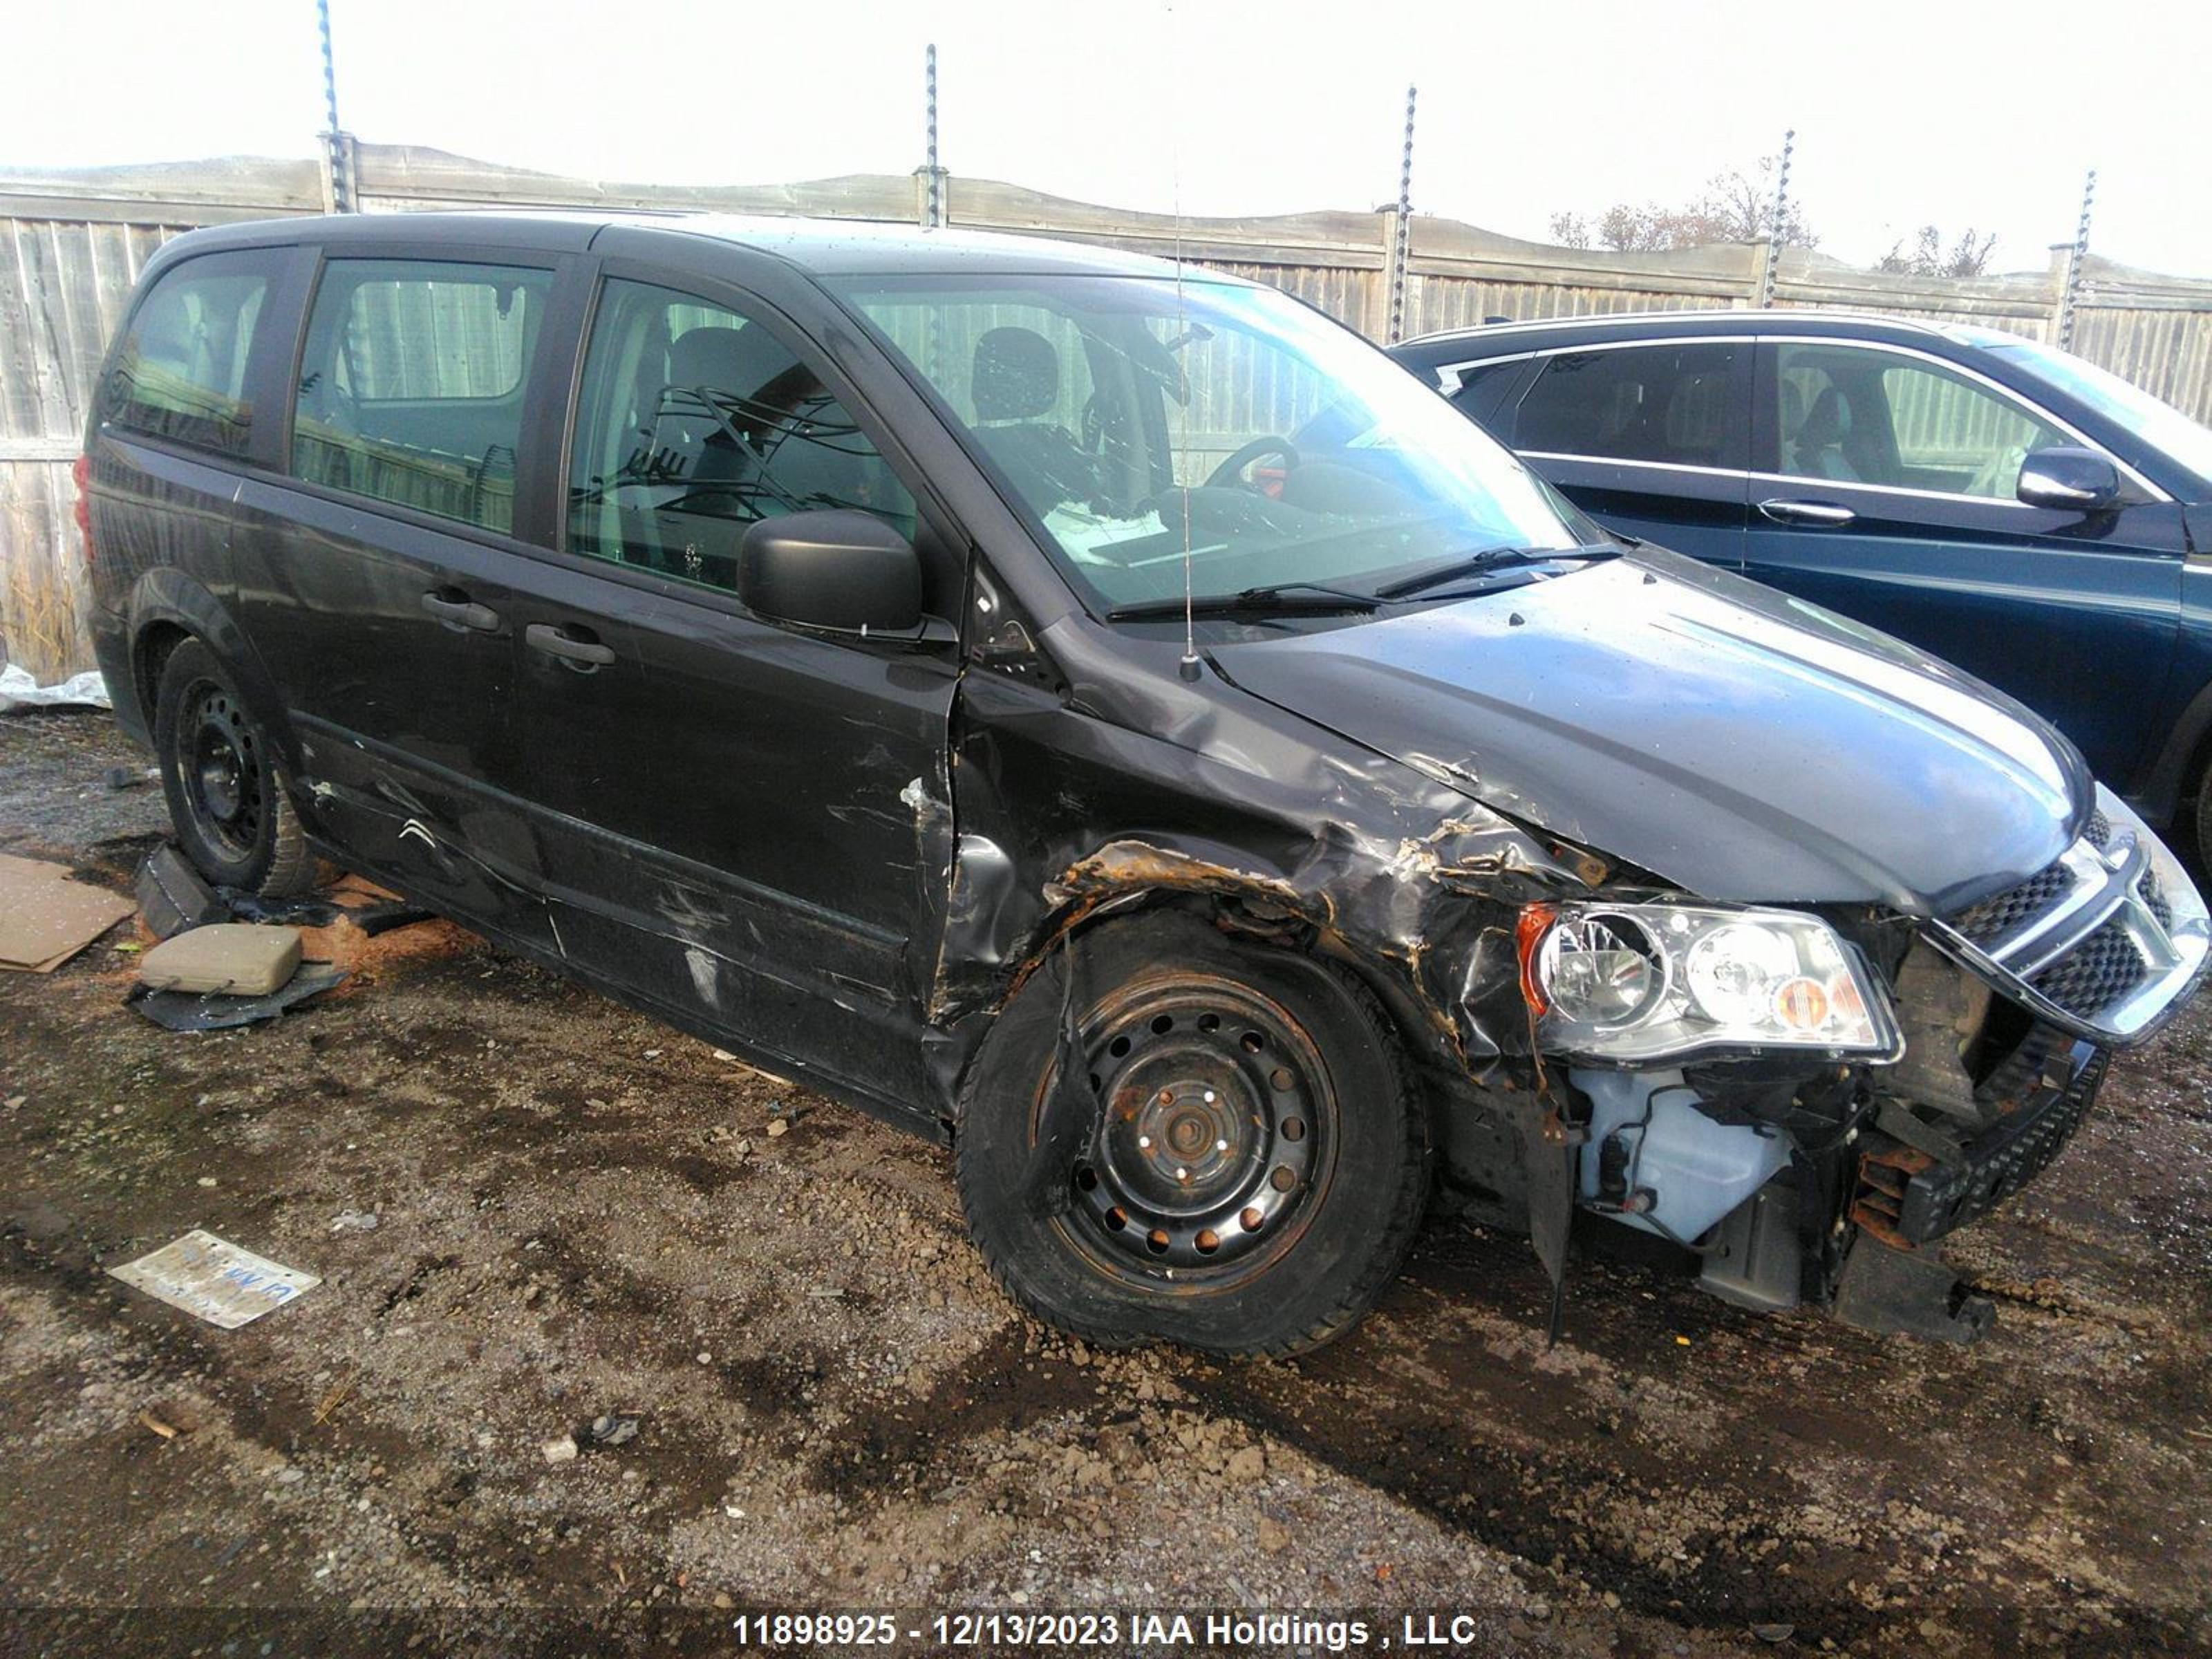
(579,1214)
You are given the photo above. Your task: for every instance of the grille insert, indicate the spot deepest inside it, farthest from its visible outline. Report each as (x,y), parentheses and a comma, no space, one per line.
(2096,974)
(1993,918)
(2102,943)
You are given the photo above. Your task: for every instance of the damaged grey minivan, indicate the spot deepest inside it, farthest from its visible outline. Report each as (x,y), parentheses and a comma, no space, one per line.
(1111,718)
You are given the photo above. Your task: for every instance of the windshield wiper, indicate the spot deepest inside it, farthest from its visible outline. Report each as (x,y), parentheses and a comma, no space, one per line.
(1257,601)
(1491,558)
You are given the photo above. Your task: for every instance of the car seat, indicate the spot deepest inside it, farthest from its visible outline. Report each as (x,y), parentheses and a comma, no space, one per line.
(1818,450)
(1014,386)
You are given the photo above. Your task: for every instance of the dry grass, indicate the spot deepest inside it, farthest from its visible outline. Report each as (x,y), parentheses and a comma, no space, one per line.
(43,611)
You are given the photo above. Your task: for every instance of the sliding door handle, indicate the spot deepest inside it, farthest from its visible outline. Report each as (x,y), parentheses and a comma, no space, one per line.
(1825,514)
(450,604)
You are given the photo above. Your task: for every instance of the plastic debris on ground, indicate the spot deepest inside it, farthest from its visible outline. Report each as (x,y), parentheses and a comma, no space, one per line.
(171,897)
(183,1011)
(611,1429)
(46,917)
(20,690)
(213,1280)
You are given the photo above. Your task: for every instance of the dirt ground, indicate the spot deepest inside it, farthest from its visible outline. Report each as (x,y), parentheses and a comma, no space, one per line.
(531,1209)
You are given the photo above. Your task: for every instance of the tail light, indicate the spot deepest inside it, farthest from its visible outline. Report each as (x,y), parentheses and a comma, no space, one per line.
(81,472)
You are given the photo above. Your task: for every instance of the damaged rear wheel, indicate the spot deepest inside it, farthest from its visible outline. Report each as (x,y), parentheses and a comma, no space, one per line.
(1172,1134)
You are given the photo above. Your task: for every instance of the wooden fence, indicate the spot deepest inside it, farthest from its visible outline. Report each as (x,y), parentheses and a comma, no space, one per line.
(72,243)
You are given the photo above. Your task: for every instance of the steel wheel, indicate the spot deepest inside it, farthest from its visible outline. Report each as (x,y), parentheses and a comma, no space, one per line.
(220,769)
(1218,1126)
(223,780)
(1112,1197)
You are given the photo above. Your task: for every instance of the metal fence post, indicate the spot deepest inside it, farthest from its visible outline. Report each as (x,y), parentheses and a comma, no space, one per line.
(1402,234)
(1777,218)
(340,194)
(2073,291)
(933,207)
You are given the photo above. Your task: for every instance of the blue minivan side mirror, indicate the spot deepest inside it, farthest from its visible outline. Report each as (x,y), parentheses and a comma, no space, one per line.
(2069,479)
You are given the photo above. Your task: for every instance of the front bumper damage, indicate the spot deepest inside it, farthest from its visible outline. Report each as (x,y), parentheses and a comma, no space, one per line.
(1910,1194)
(1390,869)
(2012,1007)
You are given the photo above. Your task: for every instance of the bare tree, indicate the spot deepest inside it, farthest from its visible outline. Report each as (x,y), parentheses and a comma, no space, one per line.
(1969,256)
(1736,206)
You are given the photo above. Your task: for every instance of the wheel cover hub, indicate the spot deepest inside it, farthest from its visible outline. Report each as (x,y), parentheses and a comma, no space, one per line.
(220,769)
(1212,1127)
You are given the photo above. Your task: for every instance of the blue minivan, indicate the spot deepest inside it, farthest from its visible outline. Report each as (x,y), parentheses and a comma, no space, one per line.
(2034,519)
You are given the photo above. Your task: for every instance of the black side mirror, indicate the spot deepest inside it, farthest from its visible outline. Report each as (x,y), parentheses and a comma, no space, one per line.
(834,568)
(2069,479)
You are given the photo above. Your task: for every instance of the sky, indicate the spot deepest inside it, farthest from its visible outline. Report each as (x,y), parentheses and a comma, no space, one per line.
(1905,113)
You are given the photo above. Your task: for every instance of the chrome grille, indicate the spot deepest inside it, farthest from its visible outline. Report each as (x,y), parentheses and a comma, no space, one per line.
(2101,943)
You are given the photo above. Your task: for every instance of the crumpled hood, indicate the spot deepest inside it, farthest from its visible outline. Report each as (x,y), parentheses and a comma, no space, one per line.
(1730,739)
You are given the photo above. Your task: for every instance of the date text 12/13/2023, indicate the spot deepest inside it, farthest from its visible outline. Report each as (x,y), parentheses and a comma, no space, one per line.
(1132,1631)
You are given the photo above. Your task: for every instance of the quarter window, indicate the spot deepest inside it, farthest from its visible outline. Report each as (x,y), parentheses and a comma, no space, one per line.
(1850,415)
(695,423)
(1483,386)
(1671,403)
(180,372)
(411,386)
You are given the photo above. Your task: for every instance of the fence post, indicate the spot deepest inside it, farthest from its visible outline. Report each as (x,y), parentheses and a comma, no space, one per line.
(1776,222)
(340,187)
(1401,233)
(931,204)
(2071,295)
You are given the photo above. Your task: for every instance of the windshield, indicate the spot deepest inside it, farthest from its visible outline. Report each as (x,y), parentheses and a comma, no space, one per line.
(1126,416)
(2159,425)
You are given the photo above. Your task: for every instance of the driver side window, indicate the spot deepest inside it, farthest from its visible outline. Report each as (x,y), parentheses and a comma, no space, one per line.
(1852,416)
(693,423)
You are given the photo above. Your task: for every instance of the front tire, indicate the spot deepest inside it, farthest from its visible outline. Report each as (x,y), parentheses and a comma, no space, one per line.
(1239,1166)
(2204,822)
(226,792)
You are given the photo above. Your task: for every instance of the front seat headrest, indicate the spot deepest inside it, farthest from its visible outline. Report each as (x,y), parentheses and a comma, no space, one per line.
(1829,423)
(735,361)
(1793,410)
(1016,375)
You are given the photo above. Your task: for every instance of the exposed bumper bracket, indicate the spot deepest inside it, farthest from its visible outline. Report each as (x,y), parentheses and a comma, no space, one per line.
(1909,1294)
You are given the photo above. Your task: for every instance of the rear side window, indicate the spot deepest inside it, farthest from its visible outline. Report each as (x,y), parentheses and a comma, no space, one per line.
(411,385)
(1676,404)
(180,370)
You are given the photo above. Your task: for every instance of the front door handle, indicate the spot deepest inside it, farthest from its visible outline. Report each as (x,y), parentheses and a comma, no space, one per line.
(450,604)
(1826,515)
(559,642)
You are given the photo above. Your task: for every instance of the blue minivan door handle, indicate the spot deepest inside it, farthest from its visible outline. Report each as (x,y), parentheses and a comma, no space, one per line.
(1825,514)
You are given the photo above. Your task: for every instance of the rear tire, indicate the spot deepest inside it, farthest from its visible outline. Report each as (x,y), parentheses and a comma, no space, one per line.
(1240,1167)
(227,795)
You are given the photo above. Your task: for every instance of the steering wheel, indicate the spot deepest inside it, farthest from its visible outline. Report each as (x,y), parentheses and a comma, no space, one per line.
(1243,457)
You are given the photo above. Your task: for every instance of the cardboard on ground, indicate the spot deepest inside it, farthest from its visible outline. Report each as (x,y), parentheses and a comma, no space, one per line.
(46,917)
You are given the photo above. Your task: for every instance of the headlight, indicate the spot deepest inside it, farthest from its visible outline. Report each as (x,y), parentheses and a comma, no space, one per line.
(1660,981)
